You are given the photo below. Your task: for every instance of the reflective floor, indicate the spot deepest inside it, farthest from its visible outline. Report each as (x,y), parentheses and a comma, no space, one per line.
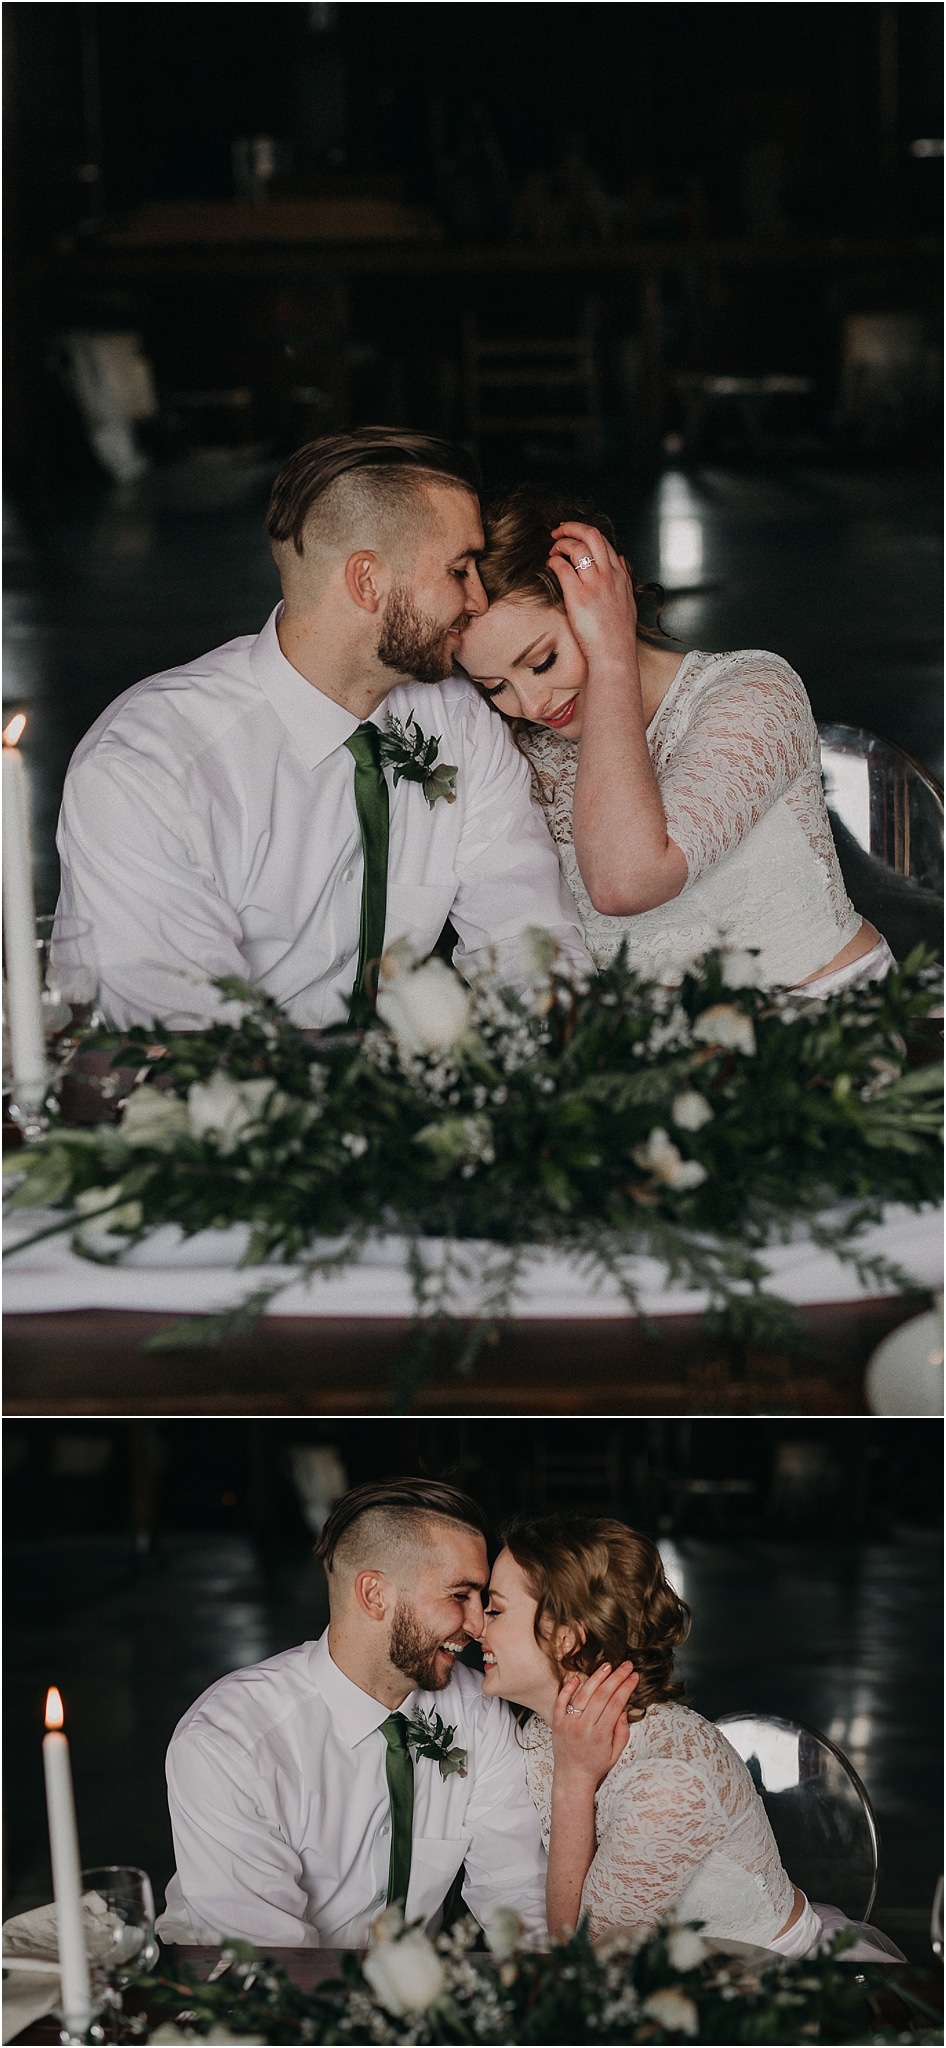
(838,571)
(842,1636)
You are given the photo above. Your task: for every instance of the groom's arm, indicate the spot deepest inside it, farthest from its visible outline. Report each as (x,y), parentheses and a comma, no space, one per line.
(505,1862)
(507,866)
(138,877)
(236,1874)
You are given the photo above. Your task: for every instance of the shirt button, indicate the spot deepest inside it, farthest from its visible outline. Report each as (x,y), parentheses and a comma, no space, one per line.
(385,1830)
(349,875)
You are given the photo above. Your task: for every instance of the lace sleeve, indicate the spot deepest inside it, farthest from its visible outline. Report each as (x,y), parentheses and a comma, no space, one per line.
(749,735)
(651,1843)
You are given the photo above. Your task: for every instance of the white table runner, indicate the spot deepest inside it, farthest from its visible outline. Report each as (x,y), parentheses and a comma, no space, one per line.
(172,1275)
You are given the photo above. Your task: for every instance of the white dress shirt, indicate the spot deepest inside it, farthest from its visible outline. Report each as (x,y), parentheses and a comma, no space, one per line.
(282,1819)
(209,828)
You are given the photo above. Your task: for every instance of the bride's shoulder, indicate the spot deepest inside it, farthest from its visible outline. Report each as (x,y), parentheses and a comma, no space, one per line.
(671,1729)
(735,667)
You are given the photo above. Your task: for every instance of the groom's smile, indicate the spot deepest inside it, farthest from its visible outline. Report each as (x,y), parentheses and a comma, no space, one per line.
(440,1614)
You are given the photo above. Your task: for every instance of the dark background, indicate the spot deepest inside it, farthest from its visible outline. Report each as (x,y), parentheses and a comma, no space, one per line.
(144,1559)
(728,184)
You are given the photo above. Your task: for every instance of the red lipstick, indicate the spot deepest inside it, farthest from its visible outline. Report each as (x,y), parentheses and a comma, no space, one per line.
(565,715)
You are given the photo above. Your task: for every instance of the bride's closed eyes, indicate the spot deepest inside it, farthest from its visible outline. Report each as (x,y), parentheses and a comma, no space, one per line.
(541,670)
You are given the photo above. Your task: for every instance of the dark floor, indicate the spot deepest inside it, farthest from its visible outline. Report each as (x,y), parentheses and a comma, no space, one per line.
(839,571)
(842,1636)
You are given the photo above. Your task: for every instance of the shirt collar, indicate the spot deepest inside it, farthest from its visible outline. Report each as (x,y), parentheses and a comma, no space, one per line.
(316,725)
(355,1713)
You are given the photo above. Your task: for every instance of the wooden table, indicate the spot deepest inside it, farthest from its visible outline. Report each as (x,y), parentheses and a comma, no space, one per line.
(93,1363)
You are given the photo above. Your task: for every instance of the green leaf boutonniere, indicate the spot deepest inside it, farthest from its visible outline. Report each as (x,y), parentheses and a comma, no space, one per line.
(412,757)
(426,1733)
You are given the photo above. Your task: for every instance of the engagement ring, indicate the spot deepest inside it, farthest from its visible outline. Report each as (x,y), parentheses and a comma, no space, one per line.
(574,1710)
(585,562)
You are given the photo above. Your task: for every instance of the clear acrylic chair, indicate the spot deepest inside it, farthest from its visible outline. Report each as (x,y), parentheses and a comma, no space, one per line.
(820,1813)
(886,814)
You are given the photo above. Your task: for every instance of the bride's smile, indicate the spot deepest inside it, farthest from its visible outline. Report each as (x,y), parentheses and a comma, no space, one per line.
(526,659)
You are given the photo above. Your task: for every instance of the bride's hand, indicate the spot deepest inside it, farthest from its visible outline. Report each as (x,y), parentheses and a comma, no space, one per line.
(589,1722)
(597,589)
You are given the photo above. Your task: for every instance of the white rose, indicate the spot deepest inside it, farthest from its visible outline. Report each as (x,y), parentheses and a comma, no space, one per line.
(226,1110)
(691,1111)
(661,1159)
(740,968)
(427,1008)
(151,1118)
(405,1975)
(504,1931)
(685,1948)
(724,1025)
(672,2011)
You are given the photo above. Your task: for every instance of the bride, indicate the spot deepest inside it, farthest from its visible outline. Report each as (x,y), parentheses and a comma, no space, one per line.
(683,791)
(646,1811)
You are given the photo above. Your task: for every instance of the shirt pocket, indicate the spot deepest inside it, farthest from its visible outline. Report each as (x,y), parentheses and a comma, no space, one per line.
(434,1865)
(418,911)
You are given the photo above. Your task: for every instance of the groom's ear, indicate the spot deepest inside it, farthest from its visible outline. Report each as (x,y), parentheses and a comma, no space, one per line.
(371,1590)
(366,580)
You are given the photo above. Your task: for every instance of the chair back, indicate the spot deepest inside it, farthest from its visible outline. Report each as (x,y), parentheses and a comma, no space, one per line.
(819,1811)
(888,802)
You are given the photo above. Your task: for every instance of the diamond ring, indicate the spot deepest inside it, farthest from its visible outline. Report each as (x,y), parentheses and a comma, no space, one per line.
(574,1710)
(585,562)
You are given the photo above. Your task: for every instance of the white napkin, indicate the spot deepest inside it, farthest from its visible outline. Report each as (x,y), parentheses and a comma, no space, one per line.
(29,1995)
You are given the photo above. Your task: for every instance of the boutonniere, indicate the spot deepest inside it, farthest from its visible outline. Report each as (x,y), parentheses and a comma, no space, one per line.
(426,1733)
(412,757)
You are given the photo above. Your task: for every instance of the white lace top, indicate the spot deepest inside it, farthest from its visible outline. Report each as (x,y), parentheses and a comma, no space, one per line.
(682,1832)
(737,760)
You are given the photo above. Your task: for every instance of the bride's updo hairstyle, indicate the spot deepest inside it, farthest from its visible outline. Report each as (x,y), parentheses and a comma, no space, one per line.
(518,526)
(607,1584)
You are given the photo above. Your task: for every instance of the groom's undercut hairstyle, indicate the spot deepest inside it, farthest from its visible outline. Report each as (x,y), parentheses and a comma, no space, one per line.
(366,489)
(385,1523)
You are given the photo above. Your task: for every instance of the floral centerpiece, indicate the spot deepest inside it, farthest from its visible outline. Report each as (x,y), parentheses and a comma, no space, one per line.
(659,1985)
(606,1117)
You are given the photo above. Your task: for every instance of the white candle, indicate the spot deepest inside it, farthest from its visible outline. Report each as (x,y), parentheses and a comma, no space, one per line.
(67,1870)
(25,1017)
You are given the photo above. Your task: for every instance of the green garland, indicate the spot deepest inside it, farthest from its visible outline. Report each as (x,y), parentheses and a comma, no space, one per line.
(606,1118)
(660,1985)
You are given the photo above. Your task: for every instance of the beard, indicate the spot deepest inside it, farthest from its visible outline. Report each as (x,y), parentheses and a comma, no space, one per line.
(412,643)
(414,1651)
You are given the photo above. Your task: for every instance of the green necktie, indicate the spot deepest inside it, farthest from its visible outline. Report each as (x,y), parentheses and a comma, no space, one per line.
(371,803)
(400,1771)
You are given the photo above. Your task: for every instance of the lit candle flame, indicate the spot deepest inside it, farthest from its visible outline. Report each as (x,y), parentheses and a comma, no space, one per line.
(54,1711)
(13,733)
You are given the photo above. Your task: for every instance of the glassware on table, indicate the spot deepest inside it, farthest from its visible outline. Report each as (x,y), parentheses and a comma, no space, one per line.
(68,984)
(936,1921)
(68,1007)
(120,1942)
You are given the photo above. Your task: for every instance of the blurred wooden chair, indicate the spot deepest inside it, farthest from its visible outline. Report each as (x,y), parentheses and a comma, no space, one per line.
(535,385)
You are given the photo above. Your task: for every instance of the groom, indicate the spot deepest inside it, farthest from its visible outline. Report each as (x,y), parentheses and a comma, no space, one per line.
(235,816)
(299,1803)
